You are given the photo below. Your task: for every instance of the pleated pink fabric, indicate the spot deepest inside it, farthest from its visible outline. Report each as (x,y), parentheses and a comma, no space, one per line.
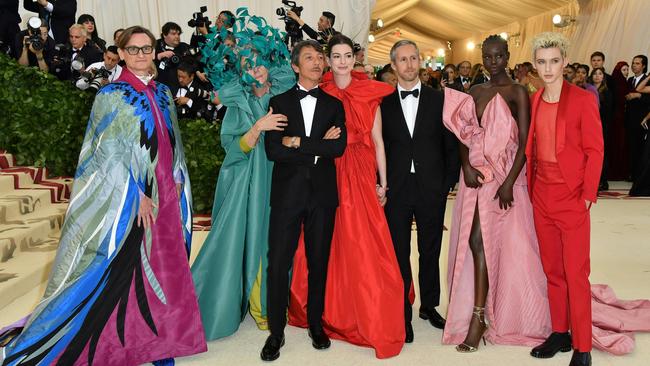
(517,306)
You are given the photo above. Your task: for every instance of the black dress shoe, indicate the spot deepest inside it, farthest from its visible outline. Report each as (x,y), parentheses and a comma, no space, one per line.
(556,342)
(580,358)
(409,333)
(271,350)
(319,339)
(434,318)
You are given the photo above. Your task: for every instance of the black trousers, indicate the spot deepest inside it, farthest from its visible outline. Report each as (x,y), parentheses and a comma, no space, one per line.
(429,215)
(284,233)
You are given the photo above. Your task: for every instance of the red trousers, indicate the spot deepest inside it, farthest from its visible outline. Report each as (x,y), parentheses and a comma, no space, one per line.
(562,223)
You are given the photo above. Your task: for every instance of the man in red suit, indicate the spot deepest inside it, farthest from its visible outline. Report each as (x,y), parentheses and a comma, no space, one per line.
(565,155)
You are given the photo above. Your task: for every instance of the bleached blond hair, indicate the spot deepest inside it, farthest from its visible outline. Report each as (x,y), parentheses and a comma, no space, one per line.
(550,40)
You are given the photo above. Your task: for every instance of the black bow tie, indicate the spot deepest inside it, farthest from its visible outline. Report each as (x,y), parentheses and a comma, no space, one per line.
(406,93)
(304,93)
(464,80)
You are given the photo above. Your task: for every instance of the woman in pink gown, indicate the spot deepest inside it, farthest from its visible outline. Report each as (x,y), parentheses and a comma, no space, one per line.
(493,254)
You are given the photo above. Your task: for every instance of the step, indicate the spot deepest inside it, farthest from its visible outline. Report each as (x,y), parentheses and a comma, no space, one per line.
(20,276)
(6,183)
(6,160)
(16,204)
(35,235)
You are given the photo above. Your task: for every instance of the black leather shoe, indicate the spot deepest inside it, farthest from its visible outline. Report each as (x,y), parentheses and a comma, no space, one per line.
(556,342)
(580,358)
(319,339)
(271,350)
(433,317)
(409,333)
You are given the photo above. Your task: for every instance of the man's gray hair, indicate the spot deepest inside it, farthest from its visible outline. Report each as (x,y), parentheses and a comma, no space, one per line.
(398,44)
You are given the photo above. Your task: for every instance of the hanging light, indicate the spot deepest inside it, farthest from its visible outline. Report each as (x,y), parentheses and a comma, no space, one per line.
(371,38)
(441,52)
(562,21)
(504,35)
(376,24)
(471,45)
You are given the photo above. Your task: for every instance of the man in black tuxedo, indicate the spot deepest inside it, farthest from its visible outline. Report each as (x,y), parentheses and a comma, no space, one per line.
(59,14)
(464,68)
(421,158)
(636,107)
(303,192)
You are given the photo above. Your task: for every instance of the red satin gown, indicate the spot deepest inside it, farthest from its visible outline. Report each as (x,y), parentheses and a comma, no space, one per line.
(364,293)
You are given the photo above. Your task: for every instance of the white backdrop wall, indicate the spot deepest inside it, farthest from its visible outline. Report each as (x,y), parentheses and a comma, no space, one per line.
(352,16)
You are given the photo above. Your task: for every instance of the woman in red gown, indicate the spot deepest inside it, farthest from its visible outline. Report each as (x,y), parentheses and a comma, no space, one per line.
(364,293)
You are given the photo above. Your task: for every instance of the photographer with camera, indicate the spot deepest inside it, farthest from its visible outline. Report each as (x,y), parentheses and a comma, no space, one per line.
(59,15)
(192,98)
(169,54)
(325,26)
(33,46)
(101,73)
(71,59)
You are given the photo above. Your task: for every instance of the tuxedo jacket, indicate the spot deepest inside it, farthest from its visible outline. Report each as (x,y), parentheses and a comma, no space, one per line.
(578,140)
(298,180)
(61,18)
(433,149)
(636,109)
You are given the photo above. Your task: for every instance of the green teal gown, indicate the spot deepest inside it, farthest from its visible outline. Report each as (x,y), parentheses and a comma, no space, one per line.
(229,272)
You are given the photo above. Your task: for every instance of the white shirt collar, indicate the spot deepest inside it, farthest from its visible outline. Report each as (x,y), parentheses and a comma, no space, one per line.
(305,89)
(417,86)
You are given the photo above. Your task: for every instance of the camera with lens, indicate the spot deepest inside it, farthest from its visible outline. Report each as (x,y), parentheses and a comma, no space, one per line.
(34,34)
(199,19)
(95,77)
(174,59)
(294,33)
(61,57)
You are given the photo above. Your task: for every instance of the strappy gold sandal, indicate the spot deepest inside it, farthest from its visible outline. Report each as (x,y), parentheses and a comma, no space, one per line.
(479,313)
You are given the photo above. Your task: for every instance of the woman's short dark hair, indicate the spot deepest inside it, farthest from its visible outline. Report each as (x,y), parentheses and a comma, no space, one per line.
(336,40)
(295,52)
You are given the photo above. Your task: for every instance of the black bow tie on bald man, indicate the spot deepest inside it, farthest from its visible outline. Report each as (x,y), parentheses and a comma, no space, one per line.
(406,93)
(304,93)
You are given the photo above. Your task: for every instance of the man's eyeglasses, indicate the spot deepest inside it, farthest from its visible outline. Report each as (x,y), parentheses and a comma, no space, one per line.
(134,50)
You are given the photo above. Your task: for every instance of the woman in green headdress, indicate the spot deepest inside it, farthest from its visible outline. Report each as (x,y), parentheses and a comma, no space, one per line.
(229,268)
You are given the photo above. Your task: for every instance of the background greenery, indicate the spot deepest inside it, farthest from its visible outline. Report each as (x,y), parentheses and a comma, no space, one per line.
(43,121)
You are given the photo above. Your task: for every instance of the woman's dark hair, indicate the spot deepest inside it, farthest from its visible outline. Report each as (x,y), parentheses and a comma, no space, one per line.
(495,38)
(449,66)
(338,39)
(603,85)
(85,18)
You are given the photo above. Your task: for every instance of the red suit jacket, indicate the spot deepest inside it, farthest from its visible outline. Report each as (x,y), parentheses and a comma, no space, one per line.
(578,140)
